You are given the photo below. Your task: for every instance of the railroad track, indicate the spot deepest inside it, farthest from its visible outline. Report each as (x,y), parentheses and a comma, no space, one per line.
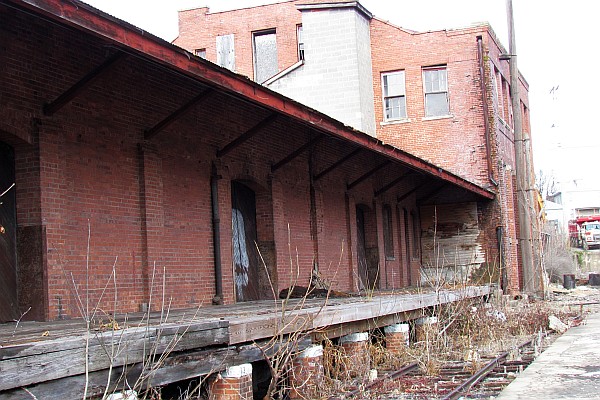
(455,379)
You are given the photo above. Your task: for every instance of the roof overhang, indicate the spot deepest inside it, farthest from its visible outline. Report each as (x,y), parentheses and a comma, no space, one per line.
(132,40)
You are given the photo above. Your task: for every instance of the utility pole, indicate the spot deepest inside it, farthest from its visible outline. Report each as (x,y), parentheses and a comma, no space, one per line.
(528,232)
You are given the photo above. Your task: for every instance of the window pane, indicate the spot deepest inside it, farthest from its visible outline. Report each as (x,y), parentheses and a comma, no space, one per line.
(393,84)
(436,104)
(436,80)
(265,56)
(395,107)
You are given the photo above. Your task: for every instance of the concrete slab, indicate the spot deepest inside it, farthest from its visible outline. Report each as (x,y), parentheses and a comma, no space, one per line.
(569,369)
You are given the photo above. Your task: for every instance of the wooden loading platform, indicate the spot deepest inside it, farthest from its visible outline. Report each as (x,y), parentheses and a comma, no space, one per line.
(48,359)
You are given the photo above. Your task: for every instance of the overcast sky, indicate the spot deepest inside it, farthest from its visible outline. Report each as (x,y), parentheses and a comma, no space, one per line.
(556,46)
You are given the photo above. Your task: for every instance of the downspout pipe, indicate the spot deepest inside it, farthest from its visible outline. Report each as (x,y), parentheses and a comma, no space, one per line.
(216,225)
(486,120)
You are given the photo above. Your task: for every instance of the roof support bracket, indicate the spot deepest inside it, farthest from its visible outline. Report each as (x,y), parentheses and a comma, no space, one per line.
(432,192)
(184,109)
(368,174)
(296,153)
(64,99)
(336,164)
(411,191)
(394,183)
(247,135)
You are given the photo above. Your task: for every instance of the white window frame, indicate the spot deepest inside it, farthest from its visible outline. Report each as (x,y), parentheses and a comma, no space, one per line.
(401,95)
(442,88)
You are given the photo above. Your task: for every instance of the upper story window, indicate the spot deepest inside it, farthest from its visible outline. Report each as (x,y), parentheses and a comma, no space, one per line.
(264,45)
(300,42)
(435,82)
(394,95)
(200,53)
(226,52)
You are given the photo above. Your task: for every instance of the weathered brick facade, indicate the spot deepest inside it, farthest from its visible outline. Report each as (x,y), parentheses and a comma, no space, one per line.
(466,141)
(115,179)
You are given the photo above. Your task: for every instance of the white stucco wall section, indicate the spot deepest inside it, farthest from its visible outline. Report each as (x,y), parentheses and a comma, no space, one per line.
(336,77)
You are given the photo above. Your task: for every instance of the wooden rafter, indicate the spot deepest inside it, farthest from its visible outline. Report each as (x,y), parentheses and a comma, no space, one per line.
(184,109)
(432,192)
(64,99)
(411,191)
(367,174)
(296,153)
(246,135)
(394,183)
(336,164)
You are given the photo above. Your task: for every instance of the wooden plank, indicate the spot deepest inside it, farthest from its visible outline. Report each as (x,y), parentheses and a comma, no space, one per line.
(56,359)
(176,367)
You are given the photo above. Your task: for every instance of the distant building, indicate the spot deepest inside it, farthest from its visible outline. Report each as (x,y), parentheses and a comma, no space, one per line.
(443,96)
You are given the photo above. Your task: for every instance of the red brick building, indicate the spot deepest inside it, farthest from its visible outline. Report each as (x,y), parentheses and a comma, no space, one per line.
(150,177)
(443,96)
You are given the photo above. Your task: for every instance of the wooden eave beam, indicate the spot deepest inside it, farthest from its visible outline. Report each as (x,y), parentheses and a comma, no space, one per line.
(64,99)
(296,153)
(336,164)
(394,183)
(411,191)
(184,109)
(367,174)
(247,135)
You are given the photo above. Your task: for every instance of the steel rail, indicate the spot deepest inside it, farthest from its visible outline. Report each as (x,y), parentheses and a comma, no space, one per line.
(483,372)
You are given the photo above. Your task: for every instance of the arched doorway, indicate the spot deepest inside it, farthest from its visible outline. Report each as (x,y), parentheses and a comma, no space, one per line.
(8,236)
(244,237)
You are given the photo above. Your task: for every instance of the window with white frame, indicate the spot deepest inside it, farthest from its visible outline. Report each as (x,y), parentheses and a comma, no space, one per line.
(435,83)
(394,95)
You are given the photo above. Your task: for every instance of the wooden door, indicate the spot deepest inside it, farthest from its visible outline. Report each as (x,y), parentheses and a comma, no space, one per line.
(244,238)
(8,236)
(361,249)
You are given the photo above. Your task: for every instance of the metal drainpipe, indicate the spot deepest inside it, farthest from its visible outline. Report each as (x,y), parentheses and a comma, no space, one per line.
(216,225)
(485,109)
(500,239)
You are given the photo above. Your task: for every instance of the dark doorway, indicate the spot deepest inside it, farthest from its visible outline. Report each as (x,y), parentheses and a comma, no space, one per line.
(244,238)
(8,236)
(407,247)
(367,249)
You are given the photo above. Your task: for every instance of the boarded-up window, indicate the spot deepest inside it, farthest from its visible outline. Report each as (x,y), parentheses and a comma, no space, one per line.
(265,55)
(388,238)
(226,52)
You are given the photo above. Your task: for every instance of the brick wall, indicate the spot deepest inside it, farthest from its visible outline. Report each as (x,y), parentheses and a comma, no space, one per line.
(145,205)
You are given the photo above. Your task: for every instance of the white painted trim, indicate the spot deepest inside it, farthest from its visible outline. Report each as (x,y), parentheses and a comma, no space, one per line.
(311,352)
(397,328)
(355,337)
(283,73)
(237,371)
(427,321)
